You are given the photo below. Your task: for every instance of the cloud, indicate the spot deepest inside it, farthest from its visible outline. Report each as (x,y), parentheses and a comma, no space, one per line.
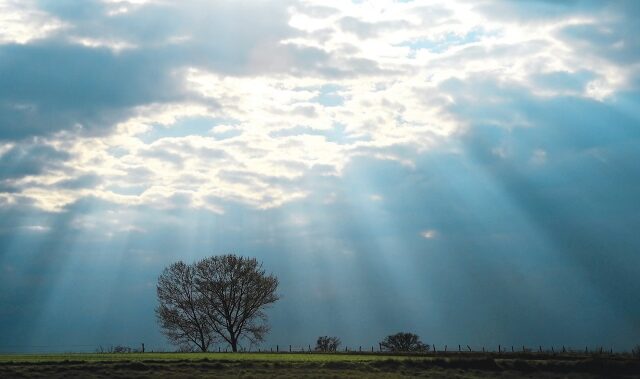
(31,159)
(312,87)
(429,234)
(50,87)
(23,22)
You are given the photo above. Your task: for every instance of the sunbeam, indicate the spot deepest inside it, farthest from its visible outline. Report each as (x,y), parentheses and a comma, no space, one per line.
(465,171)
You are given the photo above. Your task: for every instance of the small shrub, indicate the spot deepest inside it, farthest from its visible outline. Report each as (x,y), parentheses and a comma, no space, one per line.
(404,342)
(327,344)
(121,349)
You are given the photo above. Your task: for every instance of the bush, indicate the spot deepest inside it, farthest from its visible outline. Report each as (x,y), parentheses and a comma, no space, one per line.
(403,342)
(326,344)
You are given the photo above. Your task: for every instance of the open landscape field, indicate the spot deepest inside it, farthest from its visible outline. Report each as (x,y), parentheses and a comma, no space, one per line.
(320,189)
(315,365)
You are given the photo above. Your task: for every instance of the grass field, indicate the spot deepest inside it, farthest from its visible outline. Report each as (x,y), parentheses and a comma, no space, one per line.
(352,365)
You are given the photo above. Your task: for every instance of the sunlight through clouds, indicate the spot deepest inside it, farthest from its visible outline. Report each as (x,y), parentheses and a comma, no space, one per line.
(439,159)
(392,61)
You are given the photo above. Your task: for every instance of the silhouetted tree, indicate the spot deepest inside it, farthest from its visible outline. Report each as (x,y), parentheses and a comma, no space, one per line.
(405,342)
(180,312)
(326,343)
(636,351)
(235,291)
(220,298)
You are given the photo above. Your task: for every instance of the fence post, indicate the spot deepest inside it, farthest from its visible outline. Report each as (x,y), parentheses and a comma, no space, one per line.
(459,349)
(445,348)
(499,349)
(219,349)
(277,348)
(541,348)
(372,348)
(309,348)
(143,347)
(360,348)
(434,348)
(512,348)
(289,348)
(483,349)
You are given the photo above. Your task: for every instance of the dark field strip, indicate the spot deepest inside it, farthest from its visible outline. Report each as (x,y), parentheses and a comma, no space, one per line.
(334,365)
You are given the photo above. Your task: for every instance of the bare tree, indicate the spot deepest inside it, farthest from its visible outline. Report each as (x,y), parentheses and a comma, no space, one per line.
(405,342)
(326,344)
(180,313)
(235,291)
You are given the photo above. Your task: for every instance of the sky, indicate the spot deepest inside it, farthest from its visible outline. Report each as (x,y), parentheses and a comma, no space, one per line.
(467,171)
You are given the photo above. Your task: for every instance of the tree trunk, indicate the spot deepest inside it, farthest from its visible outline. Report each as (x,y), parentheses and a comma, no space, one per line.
(204,346)
(234,345)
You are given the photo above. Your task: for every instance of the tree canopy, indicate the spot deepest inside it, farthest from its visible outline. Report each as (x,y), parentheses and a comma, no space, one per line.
(403,342)
(217,299)
(327,344)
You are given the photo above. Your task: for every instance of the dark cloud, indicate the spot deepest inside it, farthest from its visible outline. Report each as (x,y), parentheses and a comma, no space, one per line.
(55,85)
(79,182)
(533,11)
(563,80)
(30,159)
(615,41)
(50,87)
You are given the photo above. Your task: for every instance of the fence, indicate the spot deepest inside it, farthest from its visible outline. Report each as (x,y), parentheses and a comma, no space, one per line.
(309,349)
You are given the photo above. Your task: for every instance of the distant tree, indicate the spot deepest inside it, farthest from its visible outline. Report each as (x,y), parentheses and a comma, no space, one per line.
(403,342)
(636,351)
(120,349)
(180,311)
(235,291)
(326,344)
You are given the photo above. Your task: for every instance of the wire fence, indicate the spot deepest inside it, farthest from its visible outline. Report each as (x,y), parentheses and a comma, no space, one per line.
(311,349)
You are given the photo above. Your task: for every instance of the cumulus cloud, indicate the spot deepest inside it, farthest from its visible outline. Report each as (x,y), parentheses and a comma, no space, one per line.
(23,22)
(146,102)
